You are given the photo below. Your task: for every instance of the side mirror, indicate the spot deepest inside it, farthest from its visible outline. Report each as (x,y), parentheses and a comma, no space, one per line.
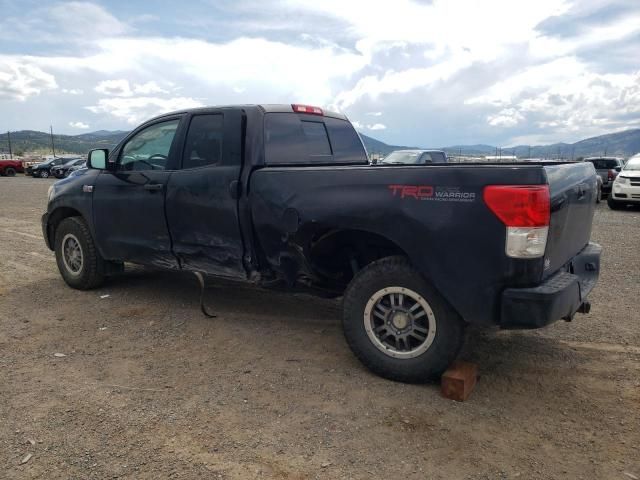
(97,159)
(618,169)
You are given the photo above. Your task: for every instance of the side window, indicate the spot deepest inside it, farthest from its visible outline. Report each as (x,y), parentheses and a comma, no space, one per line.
(347,146)
(611,163)
(426,158)
(204,141)
(438,157)
(149,149)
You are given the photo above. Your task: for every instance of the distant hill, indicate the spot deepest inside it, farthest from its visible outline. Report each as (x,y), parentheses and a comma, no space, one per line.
(376,146)
(623,143)
(33,141)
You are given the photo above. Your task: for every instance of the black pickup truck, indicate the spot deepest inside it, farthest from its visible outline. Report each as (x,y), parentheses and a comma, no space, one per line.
(283,196)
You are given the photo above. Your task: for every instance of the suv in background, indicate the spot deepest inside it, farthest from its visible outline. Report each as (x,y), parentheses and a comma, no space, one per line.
(607,168)
(414,157)
(43,170)
(626,188)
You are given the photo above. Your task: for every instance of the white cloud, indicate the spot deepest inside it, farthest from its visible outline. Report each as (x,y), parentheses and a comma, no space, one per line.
(118,88)
(565,97)
(72,91)
(20,80)
(134,110)
(391,82)
(508,117)
(374,114)
(148,88)
(365,126)
(80,125)
(96,22)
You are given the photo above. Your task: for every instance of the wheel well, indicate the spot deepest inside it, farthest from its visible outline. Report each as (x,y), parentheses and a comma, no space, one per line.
(55,218)
(337,255)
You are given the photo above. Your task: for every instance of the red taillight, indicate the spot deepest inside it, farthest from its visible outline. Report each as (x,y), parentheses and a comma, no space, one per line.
(519,205)
(306,109)
(611,174)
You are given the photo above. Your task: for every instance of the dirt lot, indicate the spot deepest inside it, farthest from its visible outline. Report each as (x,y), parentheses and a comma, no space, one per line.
(150,388)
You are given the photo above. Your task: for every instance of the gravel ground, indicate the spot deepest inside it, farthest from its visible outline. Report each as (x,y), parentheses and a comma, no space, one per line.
(150,388)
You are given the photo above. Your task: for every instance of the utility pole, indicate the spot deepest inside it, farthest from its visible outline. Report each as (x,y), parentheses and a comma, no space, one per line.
(53,147)
(9,142)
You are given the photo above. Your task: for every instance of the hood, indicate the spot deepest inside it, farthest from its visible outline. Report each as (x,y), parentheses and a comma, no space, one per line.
(629,173)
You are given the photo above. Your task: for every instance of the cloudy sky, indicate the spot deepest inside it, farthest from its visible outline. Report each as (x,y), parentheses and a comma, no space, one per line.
(428,73)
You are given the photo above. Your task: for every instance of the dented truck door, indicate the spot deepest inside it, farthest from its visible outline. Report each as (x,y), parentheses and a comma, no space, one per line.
(202,196)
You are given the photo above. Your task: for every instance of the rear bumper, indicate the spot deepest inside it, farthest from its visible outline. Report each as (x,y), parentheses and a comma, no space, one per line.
(558,297)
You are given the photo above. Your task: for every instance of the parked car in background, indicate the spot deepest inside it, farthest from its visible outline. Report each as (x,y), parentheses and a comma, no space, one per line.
(61,171)
(43,170)
(626,187)
(607,168)
(414,157)
(75,168)
(9,168)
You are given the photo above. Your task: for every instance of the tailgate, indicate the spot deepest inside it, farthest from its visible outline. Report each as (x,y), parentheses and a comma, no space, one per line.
(573,189)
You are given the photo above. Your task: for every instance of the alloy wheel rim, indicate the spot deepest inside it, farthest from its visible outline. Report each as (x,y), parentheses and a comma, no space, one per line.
(399,322)
(72,256)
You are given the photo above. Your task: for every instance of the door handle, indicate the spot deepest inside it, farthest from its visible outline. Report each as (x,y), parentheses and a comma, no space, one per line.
(153,187)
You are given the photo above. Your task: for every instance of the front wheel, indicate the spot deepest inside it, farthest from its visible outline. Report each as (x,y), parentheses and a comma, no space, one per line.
(599,195)
(398,325)
(44,173)
(614,204)
(79,262)
(10,172)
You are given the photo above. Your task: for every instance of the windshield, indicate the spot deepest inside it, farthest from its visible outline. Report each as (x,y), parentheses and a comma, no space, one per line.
(632,167)
(402,156)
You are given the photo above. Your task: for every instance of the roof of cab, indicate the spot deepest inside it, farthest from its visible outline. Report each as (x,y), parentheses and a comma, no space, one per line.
(264,107)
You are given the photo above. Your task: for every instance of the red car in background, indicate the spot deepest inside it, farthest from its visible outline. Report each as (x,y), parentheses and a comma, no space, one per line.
(9,168)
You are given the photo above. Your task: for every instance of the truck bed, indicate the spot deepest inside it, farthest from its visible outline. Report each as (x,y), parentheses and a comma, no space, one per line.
(434,214)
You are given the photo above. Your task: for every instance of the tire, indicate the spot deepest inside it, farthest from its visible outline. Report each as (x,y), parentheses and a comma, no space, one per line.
(599,195)
(44,173)
(614,204)
(89,272)
(10,172)
(411,361)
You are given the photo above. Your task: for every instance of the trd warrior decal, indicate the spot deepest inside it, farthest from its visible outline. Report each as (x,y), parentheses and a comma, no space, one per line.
(428,192)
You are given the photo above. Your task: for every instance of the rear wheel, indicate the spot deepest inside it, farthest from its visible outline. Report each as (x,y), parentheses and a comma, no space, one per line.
(614,204)
(398,325)
(79,262)
(44,173)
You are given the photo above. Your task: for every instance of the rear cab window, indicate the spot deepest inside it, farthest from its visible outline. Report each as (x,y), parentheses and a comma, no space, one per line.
(294,139)
(604,163)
